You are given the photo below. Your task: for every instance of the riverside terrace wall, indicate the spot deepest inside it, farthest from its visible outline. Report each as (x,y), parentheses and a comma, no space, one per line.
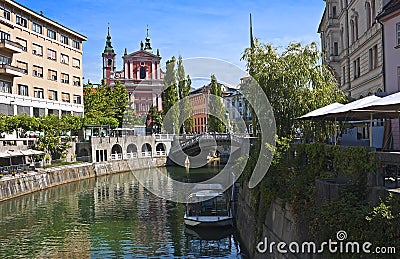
(21,184)
(279,225)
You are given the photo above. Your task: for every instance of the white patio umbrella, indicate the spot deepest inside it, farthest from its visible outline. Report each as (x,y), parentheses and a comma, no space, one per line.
(350,111)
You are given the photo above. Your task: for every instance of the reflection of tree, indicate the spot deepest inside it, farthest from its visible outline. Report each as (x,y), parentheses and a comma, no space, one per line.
(175,221)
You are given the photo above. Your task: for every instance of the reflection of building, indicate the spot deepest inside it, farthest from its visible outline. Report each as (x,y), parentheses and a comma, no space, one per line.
(141,74)
(40,64)
(351,40)
(198,100)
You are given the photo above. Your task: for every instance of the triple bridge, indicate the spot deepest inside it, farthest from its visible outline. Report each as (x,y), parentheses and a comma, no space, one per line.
(198,150)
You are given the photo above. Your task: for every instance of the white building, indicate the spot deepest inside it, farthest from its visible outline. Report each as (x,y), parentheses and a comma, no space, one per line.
(351,40)
(40,64)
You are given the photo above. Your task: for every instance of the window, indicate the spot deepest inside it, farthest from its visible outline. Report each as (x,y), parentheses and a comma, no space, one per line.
(77,99)
(38,92)
(77,81)
(369,14)
(5,87)
(142,72)
(76,63)
(373,11)
(38,71)
(52,75)
(76,44)
(53,95)
(23,90)
(352,31)
(335,49)
(370,59)
(64,78)
(23,43)
(5,60)
(398,79)
(373,57)
(23,65)
(398,33)
(65,97)
(51,34)
(64,59)
(64,39)
(344,74)
(37,28)
(4,35)
(356,26)
(21,21)
(356,66)
(51,54)
(37,49)
(334,14)
(6,13)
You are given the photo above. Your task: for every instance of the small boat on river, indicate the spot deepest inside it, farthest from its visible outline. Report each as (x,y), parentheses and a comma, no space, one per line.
(208,206)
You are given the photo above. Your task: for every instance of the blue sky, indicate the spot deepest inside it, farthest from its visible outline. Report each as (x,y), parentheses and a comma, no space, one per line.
(216,29)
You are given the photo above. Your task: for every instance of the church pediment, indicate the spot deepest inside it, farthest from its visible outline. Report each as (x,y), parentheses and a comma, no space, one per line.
(141,54)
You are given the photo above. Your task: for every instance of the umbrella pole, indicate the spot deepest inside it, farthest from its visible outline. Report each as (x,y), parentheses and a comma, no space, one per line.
(335,132)
(370,131)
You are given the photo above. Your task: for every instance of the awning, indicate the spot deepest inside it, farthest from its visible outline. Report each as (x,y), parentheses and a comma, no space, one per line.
(27,152)
(4,155)
(321,111)
(15,153)
(36,152)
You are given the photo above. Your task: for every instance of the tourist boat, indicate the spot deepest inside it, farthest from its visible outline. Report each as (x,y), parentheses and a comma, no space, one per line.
(208,206)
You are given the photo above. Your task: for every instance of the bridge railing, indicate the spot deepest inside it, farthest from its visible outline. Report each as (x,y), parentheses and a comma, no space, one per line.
(116,156)
(146,154)
(161,153)
(132,155)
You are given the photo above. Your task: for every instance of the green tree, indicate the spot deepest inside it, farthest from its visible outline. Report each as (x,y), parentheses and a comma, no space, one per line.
(185,109)
(216,122)
(154,119)
(170,97)
(117,101)
(105,104)
(295,83)
(130,117)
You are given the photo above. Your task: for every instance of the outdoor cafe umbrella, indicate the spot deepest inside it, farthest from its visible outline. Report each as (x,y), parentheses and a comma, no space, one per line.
(350,111)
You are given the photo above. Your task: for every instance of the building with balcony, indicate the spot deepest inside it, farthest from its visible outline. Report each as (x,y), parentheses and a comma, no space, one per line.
(351,40)
(40,64)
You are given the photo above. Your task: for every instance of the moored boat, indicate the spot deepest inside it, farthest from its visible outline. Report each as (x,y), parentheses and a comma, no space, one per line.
(208,206)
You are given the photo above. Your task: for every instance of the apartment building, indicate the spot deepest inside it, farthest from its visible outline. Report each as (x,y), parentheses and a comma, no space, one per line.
(40,64)
(351,40)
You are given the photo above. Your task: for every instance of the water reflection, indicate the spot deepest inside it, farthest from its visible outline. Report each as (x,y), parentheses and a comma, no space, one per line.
(107,217)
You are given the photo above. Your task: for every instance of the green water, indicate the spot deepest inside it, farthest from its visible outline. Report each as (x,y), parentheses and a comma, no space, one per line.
(108,217)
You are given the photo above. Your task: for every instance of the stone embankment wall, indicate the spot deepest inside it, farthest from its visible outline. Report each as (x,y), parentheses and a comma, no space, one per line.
(21,184)
(278,225)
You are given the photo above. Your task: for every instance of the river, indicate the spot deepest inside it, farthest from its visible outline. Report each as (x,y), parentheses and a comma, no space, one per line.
(108,217)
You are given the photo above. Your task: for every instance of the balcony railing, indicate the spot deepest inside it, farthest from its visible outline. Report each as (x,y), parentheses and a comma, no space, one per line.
(11,45)
(11,70)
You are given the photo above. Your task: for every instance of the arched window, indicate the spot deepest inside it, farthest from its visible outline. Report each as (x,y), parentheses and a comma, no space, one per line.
(142,72)
(369,17)
(373,11)
(352,31)
(356,27)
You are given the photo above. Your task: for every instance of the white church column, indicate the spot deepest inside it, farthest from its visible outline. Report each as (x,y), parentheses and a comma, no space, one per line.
(159,103)
(153,72)
(126,68)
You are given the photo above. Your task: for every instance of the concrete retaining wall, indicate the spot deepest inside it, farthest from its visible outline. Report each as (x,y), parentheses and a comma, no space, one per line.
(279,225)
(21,184)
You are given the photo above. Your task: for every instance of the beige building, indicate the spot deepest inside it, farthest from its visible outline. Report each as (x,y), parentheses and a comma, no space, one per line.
(351,40)
(40,64)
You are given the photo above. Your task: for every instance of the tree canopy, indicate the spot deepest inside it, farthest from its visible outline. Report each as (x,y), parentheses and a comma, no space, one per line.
(216,118)
(295,83)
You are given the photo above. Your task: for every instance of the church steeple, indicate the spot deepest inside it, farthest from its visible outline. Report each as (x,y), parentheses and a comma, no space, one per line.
(147,44)
(109,48)
(251,33)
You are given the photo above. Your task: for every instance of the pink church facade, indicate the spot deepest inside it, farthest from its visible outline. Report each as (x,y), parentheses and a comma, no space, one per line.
(141,75)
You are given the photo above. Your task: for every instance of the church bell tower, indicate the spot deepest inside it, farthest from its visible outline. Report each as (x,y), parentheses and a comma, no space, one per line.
(108,60)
